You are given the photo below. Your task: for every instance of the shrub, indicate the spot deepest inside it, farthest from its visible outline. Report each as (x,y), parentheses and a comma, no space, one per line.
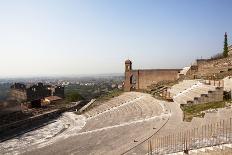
(217,56)
(73,97)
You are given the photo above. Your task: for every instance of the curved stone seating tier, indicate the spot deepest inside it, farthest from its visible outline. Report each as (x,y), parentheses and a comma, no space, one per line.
(209,118)
(112,127)
(225,149)
(115,102)
(144,108)
(180,87)
(199,91)
(198,94)
(175,125)
(125,121)
(115,140)
(122,123)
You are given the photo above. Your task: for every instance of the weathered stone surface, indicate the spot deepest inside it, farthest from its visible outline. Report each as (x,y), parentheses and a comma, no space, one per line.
(207,67)
(141,79)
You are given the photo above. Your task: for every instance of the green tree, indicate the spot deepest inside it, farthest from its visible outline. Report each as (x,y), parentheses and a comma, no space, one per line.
(225,52)
(73,97)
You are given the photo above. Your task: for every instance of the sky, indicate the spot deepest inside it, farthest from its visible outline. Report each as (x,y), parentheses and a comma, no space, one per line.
(76,37)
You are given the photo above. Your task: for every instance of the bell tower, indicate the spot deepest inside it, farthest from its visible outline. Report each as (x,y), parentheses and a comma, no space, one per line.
(128,73)
(128,65)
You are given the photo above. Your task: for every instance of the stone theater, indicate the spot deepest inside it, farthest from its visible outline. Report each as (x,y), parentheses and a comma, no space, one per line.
(141,79)
(33,94)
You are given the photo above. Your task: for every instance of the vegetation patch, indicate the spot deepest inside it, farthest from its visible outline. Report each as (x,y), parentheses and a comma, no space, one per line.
(73,96)
(197,110)
(109,95)
(105,97)
(157,89)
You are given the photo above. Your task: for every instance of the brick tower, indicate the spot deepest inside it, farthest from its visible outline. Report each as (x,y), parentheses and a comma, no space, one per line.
(128,69)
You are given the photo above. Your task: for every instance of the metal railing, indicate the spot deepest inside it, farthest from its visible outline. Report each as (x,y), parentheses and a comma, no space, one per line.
(205,136)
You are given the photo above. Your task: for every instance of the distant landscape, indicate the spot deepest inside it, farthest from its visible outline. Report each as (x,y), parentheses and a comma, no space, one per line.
(87,87)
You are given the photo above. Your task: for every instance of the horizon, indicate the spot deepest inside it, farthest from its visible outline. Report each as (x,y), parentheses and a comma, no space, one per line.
(62,76)
(79,38)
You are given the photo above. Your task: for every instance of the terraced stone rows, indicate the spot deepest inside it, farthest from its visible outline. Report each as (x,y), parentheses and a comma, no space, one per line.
(201,93)
(215,150)
(171,126)
(136,135)
(140,109)
(209,118)
(142,149)
(133,111)
(113,131)
(175,125)
(214,119)
(117,139)
(222,114)
(110,104)
(180,87)
(109,115)
(199,122)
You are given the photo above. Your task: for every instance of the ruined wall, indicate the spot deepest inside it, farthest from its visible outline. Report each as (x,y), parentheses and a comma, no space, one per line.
(18,95)
(141,79)
(58,91)
(210,67)
(37,92)
(21,92)
(152,76)
(230,50)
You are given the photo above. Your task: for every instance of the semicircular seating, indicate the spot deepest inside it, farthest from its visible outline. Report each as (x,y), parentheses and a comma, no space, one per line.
(142,107)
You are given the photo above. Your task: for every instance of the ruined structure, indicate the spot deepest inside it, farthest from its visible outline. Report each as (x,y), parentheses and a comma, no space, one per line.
(216,68)
(141,79)
(207,68)
(34,93)
(230,50)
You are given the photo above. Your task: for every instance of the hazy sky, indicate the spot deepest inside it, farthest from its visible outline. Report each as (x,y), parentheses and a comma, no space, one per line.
(71,37)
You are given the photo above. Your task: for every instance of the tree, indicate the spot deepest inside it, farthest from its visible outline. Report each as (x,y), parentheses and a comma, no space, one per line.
(73,96)
(226,51)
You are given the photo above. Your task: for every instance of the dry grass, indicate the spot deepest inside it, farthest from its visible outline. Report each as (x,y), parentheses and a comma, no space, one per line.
(197,110)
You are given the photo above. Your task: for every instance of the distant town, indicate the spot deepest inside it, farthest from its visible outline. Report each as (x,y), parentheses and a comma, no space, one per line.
(25,97)
(88,87)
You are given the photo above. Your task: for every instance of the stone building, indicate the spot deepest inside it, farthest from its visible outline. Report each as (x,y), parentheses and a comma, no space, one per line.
(140,79)
(33,94)
(57,91)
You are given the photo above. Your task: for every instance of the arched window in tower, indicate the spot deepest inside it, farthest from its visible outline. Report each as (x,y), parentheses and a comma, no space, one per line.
(132,82)
(132,79)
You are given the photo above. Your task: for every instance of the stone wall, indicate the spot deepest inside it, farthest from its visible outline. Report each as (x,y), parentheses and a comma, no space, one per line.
(141,79)
(152,76)
(230,50)
(207,67)
(18,95)
(8,131)
(22,92)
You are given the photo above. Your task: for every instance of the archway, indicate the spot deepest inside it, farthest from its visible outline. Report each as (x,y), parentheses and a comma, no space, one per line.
(133,82)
